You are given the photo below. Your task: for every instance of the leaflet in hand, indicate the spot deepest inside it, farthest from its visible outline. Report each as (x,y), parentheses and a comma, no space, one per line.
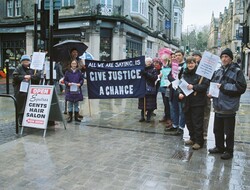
(183,86)
(214,90)
(73,87)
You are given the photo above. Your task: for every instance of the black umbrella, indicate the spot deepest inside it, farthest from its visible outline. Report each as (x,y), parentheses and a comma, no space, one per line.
(61,51)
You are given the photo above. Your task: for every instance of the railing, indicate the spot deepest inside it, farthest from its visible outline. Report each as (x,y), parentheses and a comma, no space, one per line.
(16,114)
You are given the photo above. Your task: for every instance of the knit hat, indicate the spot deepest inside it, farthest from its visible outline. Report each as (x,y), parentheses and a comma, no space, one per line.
(25,57)
(197,53)
(228,52)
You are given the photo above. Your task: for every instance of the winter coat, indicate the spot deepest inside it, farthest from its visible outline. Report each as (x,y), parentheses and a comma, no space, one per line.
(233,84)
(198,97)
(73,77)
(151,76)
(18,77)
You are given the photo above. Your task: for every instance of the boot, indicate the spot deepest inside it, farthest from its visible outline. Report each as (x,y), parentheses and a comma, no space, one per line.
(142,116)
(77,116)
(80,116)
(149,116)
(70,117)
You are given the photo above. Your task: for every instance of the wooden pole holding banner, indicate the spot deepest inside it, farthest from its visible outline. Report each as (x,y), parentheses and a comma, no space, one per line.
(89,108)
(144,106)
(200,81)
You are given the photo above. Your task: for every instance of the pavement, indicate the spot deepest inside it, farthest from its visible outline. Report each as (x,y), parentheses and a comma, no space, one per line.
(111,150)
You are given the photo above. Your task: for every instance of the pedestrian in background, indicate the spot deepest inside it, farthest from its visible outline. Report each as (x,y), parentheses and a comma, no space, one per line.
(23,75)
(73,91)
(197,55)
(231,84)
(150,75)
(194,103)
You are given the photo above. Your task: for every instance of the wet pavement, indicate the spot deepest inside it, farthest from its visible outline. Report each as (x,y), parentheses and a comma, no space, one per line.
(110,149)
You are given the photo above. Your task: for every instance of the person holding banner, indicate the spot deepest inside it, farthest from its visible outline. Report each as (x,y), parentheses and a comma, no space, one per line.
(73,92)
(148,103)
(23,76)
(197,55)
(230,81)
(176,107)
(194,103)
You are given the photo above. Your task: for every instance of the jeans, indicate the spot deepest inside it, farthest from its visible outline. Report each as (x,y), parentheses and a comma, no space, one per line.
(73,106)
(177,114)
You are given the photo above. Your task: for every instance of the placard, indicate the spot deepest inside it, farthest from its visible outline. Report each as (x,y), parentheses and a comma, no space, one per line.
(38,59)
(207,65)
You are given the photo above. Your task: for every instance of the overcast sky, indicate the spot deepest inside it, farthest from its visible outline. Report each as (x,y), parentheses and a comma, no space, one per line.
(199,12)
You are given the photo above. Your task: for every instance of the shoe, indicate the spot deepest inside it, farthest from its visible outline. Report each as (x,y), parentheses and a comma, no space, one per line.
(171,129)
(141,120)
(196,146)
(189,142)
(226,156)
(215,150)
(178,132)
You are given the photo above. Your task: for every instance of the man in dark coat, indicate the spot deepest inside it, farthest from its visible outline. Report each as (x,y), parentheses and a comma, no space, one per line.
(231,83)
(23,74)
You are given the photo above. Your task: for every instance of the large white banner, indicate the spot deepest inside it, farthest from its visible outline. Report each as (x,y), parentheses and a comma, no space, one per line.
(37,107)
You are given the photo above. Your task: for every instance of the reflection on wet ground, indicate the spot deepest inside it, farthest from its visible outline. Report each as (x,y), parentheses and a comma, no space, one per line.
(110,149)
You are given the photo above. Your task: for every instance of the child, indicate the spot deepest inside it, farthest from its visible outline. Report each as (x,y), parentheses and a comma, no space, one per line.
(194,103)
(73,93)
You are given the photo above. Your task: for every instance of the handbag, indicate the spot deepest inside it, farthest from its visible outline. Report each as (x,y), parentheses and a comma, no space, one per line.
(150,90)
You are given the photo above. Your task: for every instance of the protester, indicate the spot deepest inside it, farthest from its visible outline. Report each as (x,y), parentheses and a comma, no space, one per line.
(150,75)
(165,57)
(23,75)
(194,103)
(197,55)
(74,55)
(231,84)
(176,106)
(73,92)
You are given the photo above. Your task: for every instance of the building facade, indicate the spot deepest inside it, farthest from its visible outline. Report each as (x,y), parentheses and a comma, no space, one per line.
(112,29)
(226,31)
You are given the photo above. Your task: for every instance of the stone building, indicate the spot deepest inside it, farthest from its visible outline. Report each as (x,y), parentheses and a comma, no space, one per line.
(226,30)
(112,29)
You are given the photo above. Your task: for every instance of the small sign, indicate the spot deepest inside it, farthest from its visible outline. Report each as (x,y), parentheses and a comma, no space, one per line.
(37,107)
(167,24)
(57,4)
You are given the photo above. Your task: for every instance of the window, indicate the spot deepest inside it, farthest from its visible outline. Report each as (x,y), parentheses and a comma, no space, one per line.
(108,3)
(68,3)
(150,17)
(13,8)
(140,6)
(106,7)
(160,22)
